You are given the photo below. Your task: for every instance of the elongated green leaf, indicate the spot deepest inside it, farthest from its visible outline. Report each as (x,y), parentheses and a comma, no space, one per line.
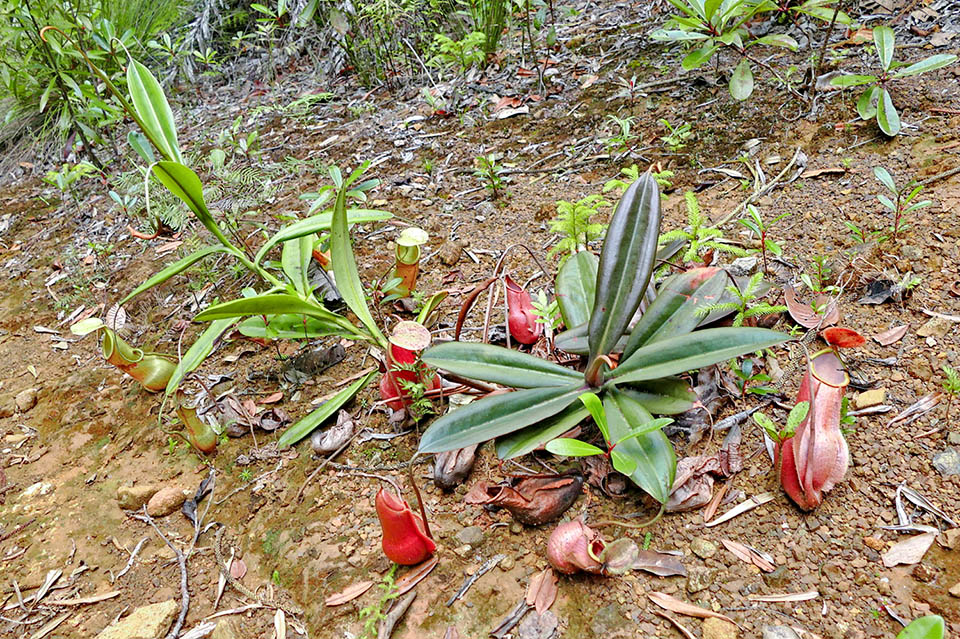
(674,311)
(532,437)
(930,64)
(184,183)
(141,146)
(345,268)
(595,406)
(867,104)
(698,57)
(177,267)
(623,463)
(499,365)
(317,223)
(652,453)
(687,352)
(667,396)
(572,447)
(741,82)
(677,35)
(494,416)
(198,352)
(295,260)
(643,429)
(779,40)
(576,288)
(883,38)
(151,105)
(306,425)
(887,116)
(626,262)
(886,179)
(710,7)
(267,305)
(851,80)
(290,327)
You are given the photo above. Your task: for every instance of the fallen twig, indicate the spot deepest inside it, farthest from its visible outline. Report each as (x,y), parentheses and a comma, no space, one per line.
(395,615)
(489,565)
(182,562)
(133,556)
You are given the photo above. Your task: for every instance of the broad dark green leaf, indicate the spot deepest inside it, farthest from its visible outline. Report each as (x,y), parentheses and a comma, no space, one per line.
(306,425)
(741,81)
(317,223)
(927,627)
(576,288)
(674,311)
(572,447)
(184,183)
(930,64)
(495,416)
(532,437)
(626,262)
(177,267)
(267,305)
(698,57)
(151,106)
(883,39)
(656,462)
(887,116)
(691,351)
(198,352)
(867,104)
(499,365)
(345,268)
(666,396)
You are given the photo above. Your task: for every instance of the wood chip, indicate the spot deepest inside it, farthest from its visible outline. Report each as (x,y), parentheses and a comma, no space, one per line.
(348,594)
(786,597)
(673,604)
(750,504)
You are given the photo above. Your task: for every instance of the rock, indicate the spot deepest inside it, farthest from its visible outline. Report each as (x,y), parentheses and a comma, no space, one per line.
(870,398)
(227,629)
(26,399)
(166,500)
(924,573)
(955,590)
(921,369)
(699,578)
(743,266)
(779,632)
(947,462)
(936,327)
(609,623)
(134,497)
(463,551)
(507,563)
(450,251)
(714,628)
(516,528)
(146,622)
(703,548)
(953,437)
(6,408)
(875,543)
(778,578)
(472,535)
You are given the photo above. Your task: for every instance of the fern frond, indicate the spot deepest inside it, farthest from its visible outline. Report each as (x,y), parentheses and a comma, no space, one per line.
(703,311)
(694,216)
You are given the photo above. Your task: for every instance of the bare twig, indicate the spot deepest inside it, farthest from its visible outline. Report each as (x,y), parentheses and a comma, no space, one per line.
(395,615)
(182,562)
(489,565)
(133,556)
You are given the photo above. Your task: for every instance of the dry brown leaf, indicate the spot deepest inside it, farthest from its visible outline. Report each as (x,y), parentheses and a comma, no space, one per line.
(348,594)
(272,398)
(542,591)
(686,633)
(747,554)
(280,624)
(786,597)
(416,575)
(750,504)
(238,569)
(82,600)
(659,563)
(832,170)
(673,604)
(893,335)
(711,508)
(908,551)
(803,313)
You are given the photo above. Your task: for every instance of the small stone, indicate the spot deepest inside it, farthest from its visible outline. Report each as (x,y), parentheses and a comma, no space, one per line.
(472,536)
(778,578)
(779,632)
(714,628)
(507,563)
(955,590)
(146,622)
(743,266)
(463,551)
(166,500)
(699,578)
(450,251)
(227,629)
(6,408)
(26,399)
(134,497)
(871,398)
(936,327)
(873,542)
(947,462)
(924,573)
(516,528)
(953,438)
(703,548)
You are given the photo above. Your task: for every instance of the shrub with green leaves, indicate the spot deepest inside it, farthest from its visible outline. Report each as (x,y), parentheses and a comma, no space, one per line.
(599,309)
(876,101)
(902,201)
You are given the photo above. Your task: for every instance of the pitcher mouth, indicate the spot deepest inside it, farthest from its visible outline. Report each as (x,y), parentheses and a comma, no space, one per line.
(828,369)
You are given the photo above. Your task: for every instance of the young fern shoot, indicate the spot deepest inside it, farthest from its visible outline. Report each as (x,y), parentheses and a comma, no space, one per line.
(574,225)
(700,236)
(746,304)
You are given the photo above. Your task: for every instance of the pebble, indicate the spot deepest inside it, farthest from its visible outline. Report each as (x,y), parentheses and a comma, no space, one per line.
(947,462)
(166,500)
(953,438)
(227,629)
(146,622)
(778,578)
(714,628)
(26,399)
(134,497)
(472,536)
(936,327)
(450,251)
(463,551)
(923,572)
(703,548)
(507,563)
(699,578)
(779,632)
(874,543)
(516,528)
(871,398)
(955,590)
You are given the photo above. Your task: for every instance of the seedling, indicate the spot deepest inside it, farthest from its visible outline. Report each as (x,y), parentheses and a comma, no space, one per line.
(903,199)
(819,281)
(373,614)
(863,236)
(746,376)
(677,136)
(490,173)
(746,304)
(756,224)
(951,386)
(574,225)
(876,102)
(702,238)
(796,416)
(621,463)
(620,141)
